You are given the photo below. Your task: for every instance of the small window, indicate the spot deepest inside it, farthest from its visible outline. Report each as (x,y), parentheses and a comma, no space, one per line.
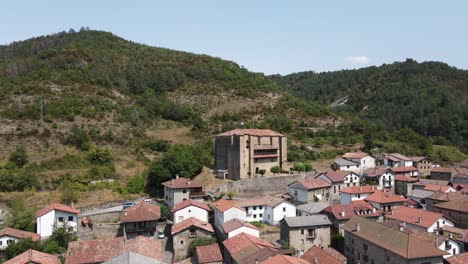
(388,258)
(60,219)
(181,242)
(193,232)
(184,191)
(255,207)
(254,216)
(352,240)
(302,231)
(268,217)
(260,207)
(10,241)
(260,215)
(284,209)
(70,218)
(364,246)
(1,242)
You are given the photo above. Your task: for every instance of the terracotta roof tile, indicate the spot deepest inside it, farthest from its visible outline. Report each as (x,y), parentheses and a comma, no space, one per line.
(403,169)
(418,159)
(435,188)
(460,234)
(460,205)
(311,184)
(252,132)
(354,155)
(336,176)
(242,241)
(258,201)
(100,250)
(189,222)
(384,197)
(284,259)
(57,207)
(442,169)
(181,183)
(347,211)
(458,259)
(33,256)
(359,189)
(235,223)
(223,205)
(189,202)
(406,178)
(412,216)
(210,253)
(396,157)
(375,172)
(323,256)
(141,212)
(8,231)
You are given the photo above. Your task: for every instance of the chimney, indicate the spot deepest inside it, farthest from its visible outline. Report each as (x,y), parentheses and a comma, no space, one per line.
(256,261)
(315,260)
(358,228)
(419,220)
(177,176)
(373,210)
(188,182)
(172,181)
(360,189)
(342,213)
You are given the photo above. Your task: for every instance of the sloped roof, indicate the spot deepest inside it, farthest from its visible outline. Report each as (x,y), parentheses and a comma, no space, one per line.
(132,258)
(423,182)
(359,189)
(462,233)
(363,209)
(33,256)
(396,157)
(243,247)
(312,184)
(375,172)
(252,132)
(20,234)
(354,155)
(189,222)
(401,243)
(181,183)
(284,259)
(141,212)
(267,200)
(458,259)
(403,169)
(345,162)
(311,220)
(422,194)
(57,207)
(448,196)
(189,202)
(412,216)
(223,205)
(324,256)
(312,207)
(460,204)
(435,188)
(442,170)
(336,176)
(100,250)
(406,178)
(384,197)
(418,158)
(235,223)
(208,254)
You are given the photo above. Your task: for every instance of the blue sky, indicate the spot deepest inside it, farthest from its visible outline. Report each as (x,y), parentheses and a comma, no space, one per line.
(264,36)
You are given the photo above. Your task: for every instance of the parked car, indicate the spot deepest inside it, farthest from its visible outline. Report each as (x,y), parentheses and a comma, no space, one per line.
(149,200)
(161,234)
(128,205)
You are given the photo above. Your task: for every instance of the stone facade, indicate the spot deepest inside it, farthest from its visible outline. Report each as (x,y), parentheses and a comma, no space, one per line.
(245,152)
(459,218)
(182,240)
(303,238)
(144,228)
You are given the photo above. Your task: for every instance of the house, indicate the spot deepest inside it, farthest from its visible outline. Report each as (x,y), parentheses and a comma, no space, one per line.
(190,208)
(456,209)
(31,256)
(132,258)
(235,226)
(423,164)
(245,153)
(186,231)
(339,180)
(339,214)
(419,196)
(246,249)
(140,220)
(364,160)
(405,171)
(225,210)
(460,178)
(373,174)
(346,165)
(266,209)
(458,259)
(373,242)
(384,200)
(458,234)
(102,250)
(404,184)
(310,208)
(323,255)
(284,259)
(210,254)
(387,180)
(419,219)
(303,232)
(441,197)
(439,188)
(397,160)
(56,215)
(10,235)
(356,193)
(180,189)
(309,190)
(421,184)
(441,173)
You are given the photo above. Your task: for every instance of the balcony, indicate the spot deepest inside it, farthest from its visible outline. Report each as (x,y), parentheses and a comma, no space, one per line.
(197,194)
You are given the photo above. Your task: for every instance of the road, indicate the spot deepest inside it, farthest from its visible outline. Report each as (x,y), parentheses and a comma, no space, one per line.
(114,209)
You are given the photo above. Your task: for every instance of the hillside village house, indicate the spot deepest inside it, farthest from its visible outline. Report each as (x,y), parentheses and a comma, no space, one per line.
(31,256)
(10,236)
(140,220)
(404,184)
(56,215)
(225,210)
(346,165)
(310,190)
(310,208)
(419,196)
(339,180)
(180,189)
(441,173)
(190,208)
(339,214)
(458,234)
(356,193)
(456,209)
(244,248)
(210,254)
(397,160)
(303,232)
(357,162)
(386,180)
(419,219)
(384,200)
(372,242)
(324,255)
(186,231)
(244,153)
(421,184)
(423,164)
(267,209)
(405,171)
(235,226)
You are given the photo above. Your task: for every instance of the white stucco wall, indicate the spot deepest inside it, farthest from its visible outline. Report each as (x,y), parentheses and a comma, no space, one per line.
(234,213)
(282,210)
(451,247)
(387,175)
(4,241)
(244,229)
(297,188)
(190,211)
(45,223)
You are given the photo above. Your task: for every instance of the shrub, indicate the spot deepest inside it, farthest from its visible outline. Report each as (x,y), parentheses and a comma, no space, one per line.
(275,169)
(19,156)
(77,137)
(199,241)
(257,224)
(100,156)
(136,184)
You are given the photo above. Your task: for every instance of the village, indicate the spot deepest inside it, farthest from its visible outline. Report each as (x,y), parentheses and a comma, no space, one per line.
(365,209)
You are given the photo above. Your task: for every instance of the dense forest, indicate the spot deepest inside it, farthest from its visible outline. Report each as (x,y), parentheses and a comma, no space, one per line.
(430,97)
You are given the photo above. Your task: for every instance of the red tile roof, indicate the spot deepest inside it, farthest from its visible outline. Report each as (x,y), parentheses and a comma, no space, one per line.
(189,222)
(359,189)
(375,172)
(235,223)
(223,205)
(181,183)
(458,259)
(437,188)
(324,256)
(8,231)
(189,202)
(442,169)
(208,254)
(100,250)
(141,212)
(354,155)
(413,215)
(252,132)
(403,169)
(336,176)
(406,178)
(459,233)
(396,157)
(384,197)
(57,207)
(241,241)
(312,184)
(459,204)
(33,256)
(350,210)
(284,259)
(258,201)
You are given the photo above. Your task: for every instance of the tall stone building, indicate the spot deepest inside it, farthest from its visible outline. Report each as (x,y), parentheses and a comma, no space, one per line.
(244,153)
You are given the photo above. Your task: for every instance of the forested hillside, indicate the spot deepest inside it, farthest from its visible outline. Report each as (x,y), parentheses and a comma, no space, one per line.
(430,97)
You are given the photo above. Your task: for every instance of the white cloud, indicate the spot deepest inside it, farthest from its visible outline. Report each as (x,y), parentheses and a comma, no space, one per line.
(358,59)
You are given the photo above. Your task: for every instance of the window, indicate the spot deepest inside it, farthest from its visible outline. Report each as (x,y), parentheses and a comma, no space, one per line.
(260,207)
(184,191)
(311,233)
(70,229)
(352,240)
(268,217)
(60,219)
(255,207)
(388,258)
(10,241)
(302,231)
(284,209)
(181,242)
(181,217)
(70,218)
(261,215)
(364,246)
(302,241)
(1,243)
(254,216)
(359,196)
(334,189)
(193,232)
